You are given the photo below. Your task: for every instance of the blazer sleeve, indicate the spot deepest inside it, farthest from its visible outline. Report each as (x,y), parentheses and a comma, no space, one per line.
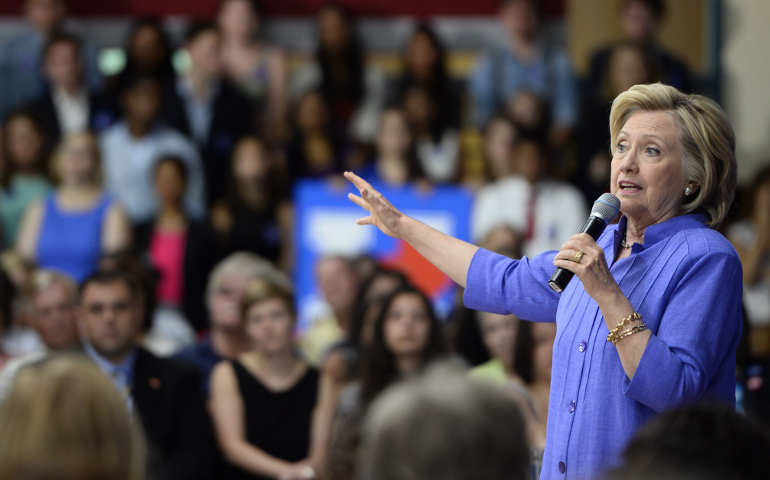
(502,285)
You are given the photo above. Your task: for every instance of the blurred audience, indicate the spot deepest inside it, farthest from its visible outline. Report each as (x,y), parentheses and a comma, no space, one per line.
(706,441)
(54,300)
(354,92)
(74,225)
(20,56)
(257,68)
(163,393)
(23,170)
(407,337)
(525,62)
(68,105)
(432,103)
(147,51)
(751,238)
(254,215)
(629,64)
(178,246)
(395,163)
(338,283)
(131,147)
(443,425)
(226,338)
(640,21)
(206,107)
(68,422)
(546,211)
(500,135)
(315,149)
(262,401)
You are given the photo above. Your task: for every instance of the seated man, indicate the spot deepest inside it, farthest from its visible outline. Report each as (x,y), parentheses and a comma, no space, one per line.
(163,393)
(54,297)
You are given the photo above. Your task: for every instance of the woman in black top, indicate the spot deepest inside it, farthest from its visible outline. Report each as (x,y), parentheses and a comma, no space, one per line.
(263,402)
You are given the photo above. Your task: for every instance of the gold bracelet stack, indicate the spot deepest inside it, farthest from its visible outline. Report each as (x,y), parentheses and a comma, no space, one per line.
(617,333)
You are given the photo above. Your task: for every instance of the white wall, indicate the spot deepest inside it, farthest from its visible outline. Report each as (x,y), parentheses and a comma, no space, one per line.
(746,62)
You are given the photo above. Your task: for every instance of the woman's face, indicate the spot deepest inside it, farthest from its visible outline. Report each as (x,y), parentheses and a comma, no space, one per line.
(78,160)
(648,168)
(394,137)
(225,300)
(250,164)
(169,183)
(270,326)
(406,326)
(499,334)
(311,112)
(528,161)
(237,17)
(147,48)
(498,145)
(627,69)
(333,30)
(421,56)
(543,335)
(142,102)
(24,142)
(419,108)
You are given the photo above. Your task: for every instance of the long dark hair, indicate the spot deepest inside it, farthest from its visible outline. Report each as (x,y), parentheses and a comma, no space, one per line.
(354,87)
(379,364)
(439,76)
(8,168)
(164,71)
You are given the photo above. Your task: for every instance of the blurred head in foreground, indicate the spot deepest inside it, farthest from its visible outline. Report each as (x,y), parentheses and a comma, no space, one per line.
(704,442)
(66,421)
(444,425)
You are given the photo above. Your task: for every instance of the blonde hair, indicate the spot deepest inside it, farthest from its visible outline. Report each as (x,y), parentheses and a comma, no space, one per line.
(247,265)
(64,420)
(706,137)
(261,290)
(43,279)
(98,177)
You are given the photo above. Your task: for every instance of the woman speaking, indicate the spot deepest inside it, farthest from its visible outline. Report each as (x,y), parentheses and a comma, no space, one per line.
(655,318)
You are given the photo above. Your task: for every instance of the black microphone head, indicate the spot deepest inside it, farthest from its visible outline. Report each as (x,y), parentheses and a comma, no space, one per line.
(606,207)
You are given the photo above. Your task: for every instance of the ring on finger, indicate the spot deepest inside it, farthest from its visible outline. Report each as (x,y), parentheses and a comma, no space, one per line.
(578,256)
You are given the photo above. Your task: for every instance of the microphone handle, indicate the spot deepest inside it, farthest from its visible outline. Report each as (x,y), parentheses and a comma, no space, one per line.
(594,226)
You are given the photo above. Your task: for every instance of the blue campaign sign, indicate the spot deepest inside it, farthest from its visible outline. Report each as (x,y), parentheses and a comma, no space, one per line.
(325,224)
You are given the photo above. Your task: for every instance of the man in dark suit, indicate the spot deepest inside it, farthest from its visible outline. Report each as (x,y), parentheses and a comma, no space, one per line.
(163,393)
(207,107)
(66,104)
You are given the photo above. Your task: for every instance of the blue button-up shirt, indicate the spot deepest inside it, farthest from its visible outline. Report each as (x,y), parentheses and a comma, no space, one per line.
(686,282)
(122,374)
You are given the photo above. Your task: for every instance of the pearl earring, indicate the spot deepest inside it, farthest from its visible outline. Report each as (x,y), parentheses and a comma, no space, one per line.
(688,191)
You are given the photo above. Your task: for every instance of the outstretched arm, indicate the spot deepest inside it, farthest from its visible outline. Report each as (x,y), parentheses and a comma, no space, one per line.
(450,255)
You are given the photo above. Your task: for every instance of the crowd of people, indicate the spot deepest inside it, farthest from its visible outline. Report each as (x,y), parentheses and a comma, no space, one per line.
(146,231)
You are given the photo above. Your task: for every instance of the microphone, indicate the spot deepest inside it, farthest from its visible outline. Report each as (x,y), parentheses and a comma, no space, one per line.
(605,210)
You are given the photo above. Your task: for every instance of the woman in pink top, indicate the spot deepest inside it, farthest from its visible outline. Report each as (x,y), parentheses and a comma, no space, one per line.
(178,247)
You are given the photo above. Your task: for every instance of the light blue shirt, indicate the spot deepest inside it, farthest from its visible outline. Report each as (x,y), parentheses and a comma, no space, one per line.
(685,281)
(500,74)
(129,162)
(122,375)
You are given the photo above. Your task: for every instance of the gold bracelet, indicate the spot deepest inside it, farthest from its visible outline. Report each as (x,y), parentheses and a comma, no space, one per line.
(628,333)
(628,319)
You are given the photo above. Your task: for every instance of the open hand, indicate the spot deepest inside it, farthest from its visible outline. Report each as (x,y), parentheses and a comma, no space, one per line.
(382,213)
(592,268)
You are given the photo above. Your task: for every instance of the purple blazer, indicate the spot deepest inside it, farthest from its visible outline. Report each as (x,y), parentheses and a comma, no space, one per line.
(685,281)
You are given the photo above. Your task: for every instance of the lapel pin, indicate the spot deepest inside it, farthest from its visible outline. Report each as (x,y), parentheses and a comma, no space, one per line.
(154,383)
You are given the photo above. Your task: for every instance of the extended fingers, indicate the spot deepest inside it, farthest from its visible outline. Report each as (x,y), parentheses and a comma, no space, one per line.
(361,184)
(359,201)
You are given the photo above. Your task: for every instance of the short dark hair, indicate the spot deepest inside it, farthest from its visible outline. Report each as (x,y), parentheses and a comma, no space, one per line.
(109,277)
(176,162)
(656,7)
(197,28)
(62,37)
(704,441)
